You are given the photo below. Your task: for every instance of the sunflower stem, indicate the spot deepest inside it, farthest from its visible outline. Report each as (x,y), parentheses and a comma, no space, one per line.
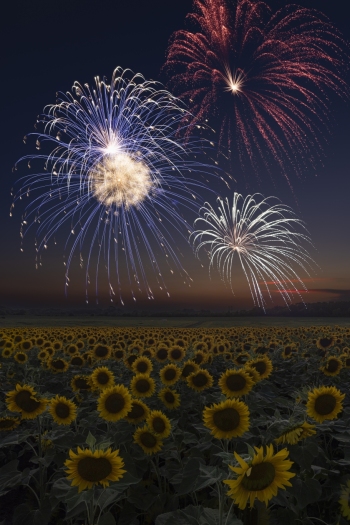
(41,469)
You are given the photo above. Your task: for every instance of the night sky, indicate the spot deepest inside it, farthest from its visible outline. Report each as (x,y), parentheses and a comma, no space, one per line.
(48,45)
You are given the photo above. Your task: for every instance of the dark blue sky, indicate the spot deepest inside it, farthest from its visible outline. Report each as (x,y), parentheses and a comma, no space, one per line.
(46,46)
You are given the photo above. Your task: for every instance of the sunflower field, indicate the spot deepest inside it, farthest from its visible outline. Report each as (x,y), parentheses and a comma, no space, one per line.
(171,426)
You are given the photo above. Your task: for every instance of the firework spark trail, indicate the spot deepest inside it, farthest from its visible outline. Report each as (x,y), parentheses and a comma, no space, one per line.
(266,77)
(116,173)
(264,237)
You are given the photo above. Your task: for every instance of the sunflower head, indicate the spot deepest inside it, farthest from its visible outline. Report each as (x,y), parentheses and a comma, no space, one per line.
(81,383)
(102,378)
(138,412)
(200,380)
(142,365)
(262,365)
(324,403)
(142,385)
(332,367)
(170,374)
(261,477)
(170,398)
(114,403)
(176,353)
(235,383)
(8,423)
(227,419)
(87,468)
(158,423)
(23,399)
(62,410)
(147,440)
(21,357)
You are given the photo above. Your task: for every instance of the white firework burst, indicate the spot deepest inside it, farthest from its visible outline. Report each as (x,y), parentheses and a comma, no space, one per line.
(267,239)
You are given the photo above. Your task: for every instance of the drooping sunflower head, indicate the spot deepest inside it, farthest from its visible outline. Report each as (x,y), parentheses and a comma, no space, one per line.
(8,423)
(324,403)
(87,468)
(62,410)
(158,423)
(227,419)
(58,365)
(200,380)
(142,385)
(261,477)
(292,435)
(142,365)
(170,398)
(235,383)
(148,441)
(114,403)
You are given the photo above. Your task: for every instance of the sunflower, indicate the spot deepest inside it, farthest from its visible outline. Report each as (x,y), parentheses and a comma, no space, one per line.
(344,501)
(261,477)
(139,411)
(43,354)
(227,419)
(80,382)
(200,357)
(188,368)
(88,468)
(6,352)
(8,423)
(176,353)
(170,398)
(262,365)
(142,385)
(325,342)
(241,358)
(100,351)
(58,365)
(102,378)
(324,403)
(253,373)
(296,433)
(142,365)
(158,423)
(118,354)
(62,410)
(26,345)
(332,367)
(114,403)
(170,374)
(23,400)
(129,360)
(235,383)
(149,442)
(200,380)
(21,357)
(77,360)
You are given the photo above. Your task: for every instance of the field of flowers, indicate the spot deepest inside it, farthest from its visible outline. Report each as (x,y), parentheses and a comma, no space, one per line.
(172,426)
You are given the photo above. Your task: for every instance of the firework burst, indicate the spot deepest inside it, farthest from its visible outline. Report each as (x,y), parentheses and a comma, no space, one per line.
(264,238)
(114,175)
(264,78)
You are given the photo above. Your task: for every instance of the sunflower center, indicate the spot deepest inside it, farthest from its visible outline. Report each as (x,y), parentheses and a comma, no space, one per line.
(198,359)
(169,397)
(260,366)
(226,419)
(142,367)
(102,378)
(77,361)
(26,402)
(325,342)
(58,364)
(235,382)
(114,403)
(241,359)
(119,354)
(176,353)
(170,374)
(148,440)
(94,469)
(62,410)
(158,425)
(21,357)
(142,386)
(136,411)
(101,351)
(261,476)
(162,354)
(332,365)
(82,384)
(325,404)
(200,380)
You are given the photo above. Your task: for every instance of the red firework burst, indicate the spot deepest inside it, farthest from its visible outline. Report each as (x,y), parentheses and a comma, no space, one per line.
(265,78)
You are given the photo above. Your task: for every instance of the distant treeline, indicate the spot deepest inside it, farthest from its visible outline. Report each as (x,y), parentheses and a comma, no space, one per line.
(326,309)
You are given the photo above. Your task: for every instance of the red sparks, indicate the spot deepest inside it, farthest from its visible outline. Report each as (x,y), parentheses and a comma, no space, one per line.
(264,77)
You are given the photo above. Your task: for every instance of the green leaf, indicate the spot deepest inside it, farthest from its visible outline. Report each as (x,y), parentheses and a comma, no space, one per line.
(90,440)
(305,492)
(195,476)
(192,515)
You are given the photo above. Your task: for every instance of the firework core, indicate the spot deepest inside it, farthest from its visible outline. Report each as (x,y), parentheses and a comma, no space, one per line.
(121,180)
